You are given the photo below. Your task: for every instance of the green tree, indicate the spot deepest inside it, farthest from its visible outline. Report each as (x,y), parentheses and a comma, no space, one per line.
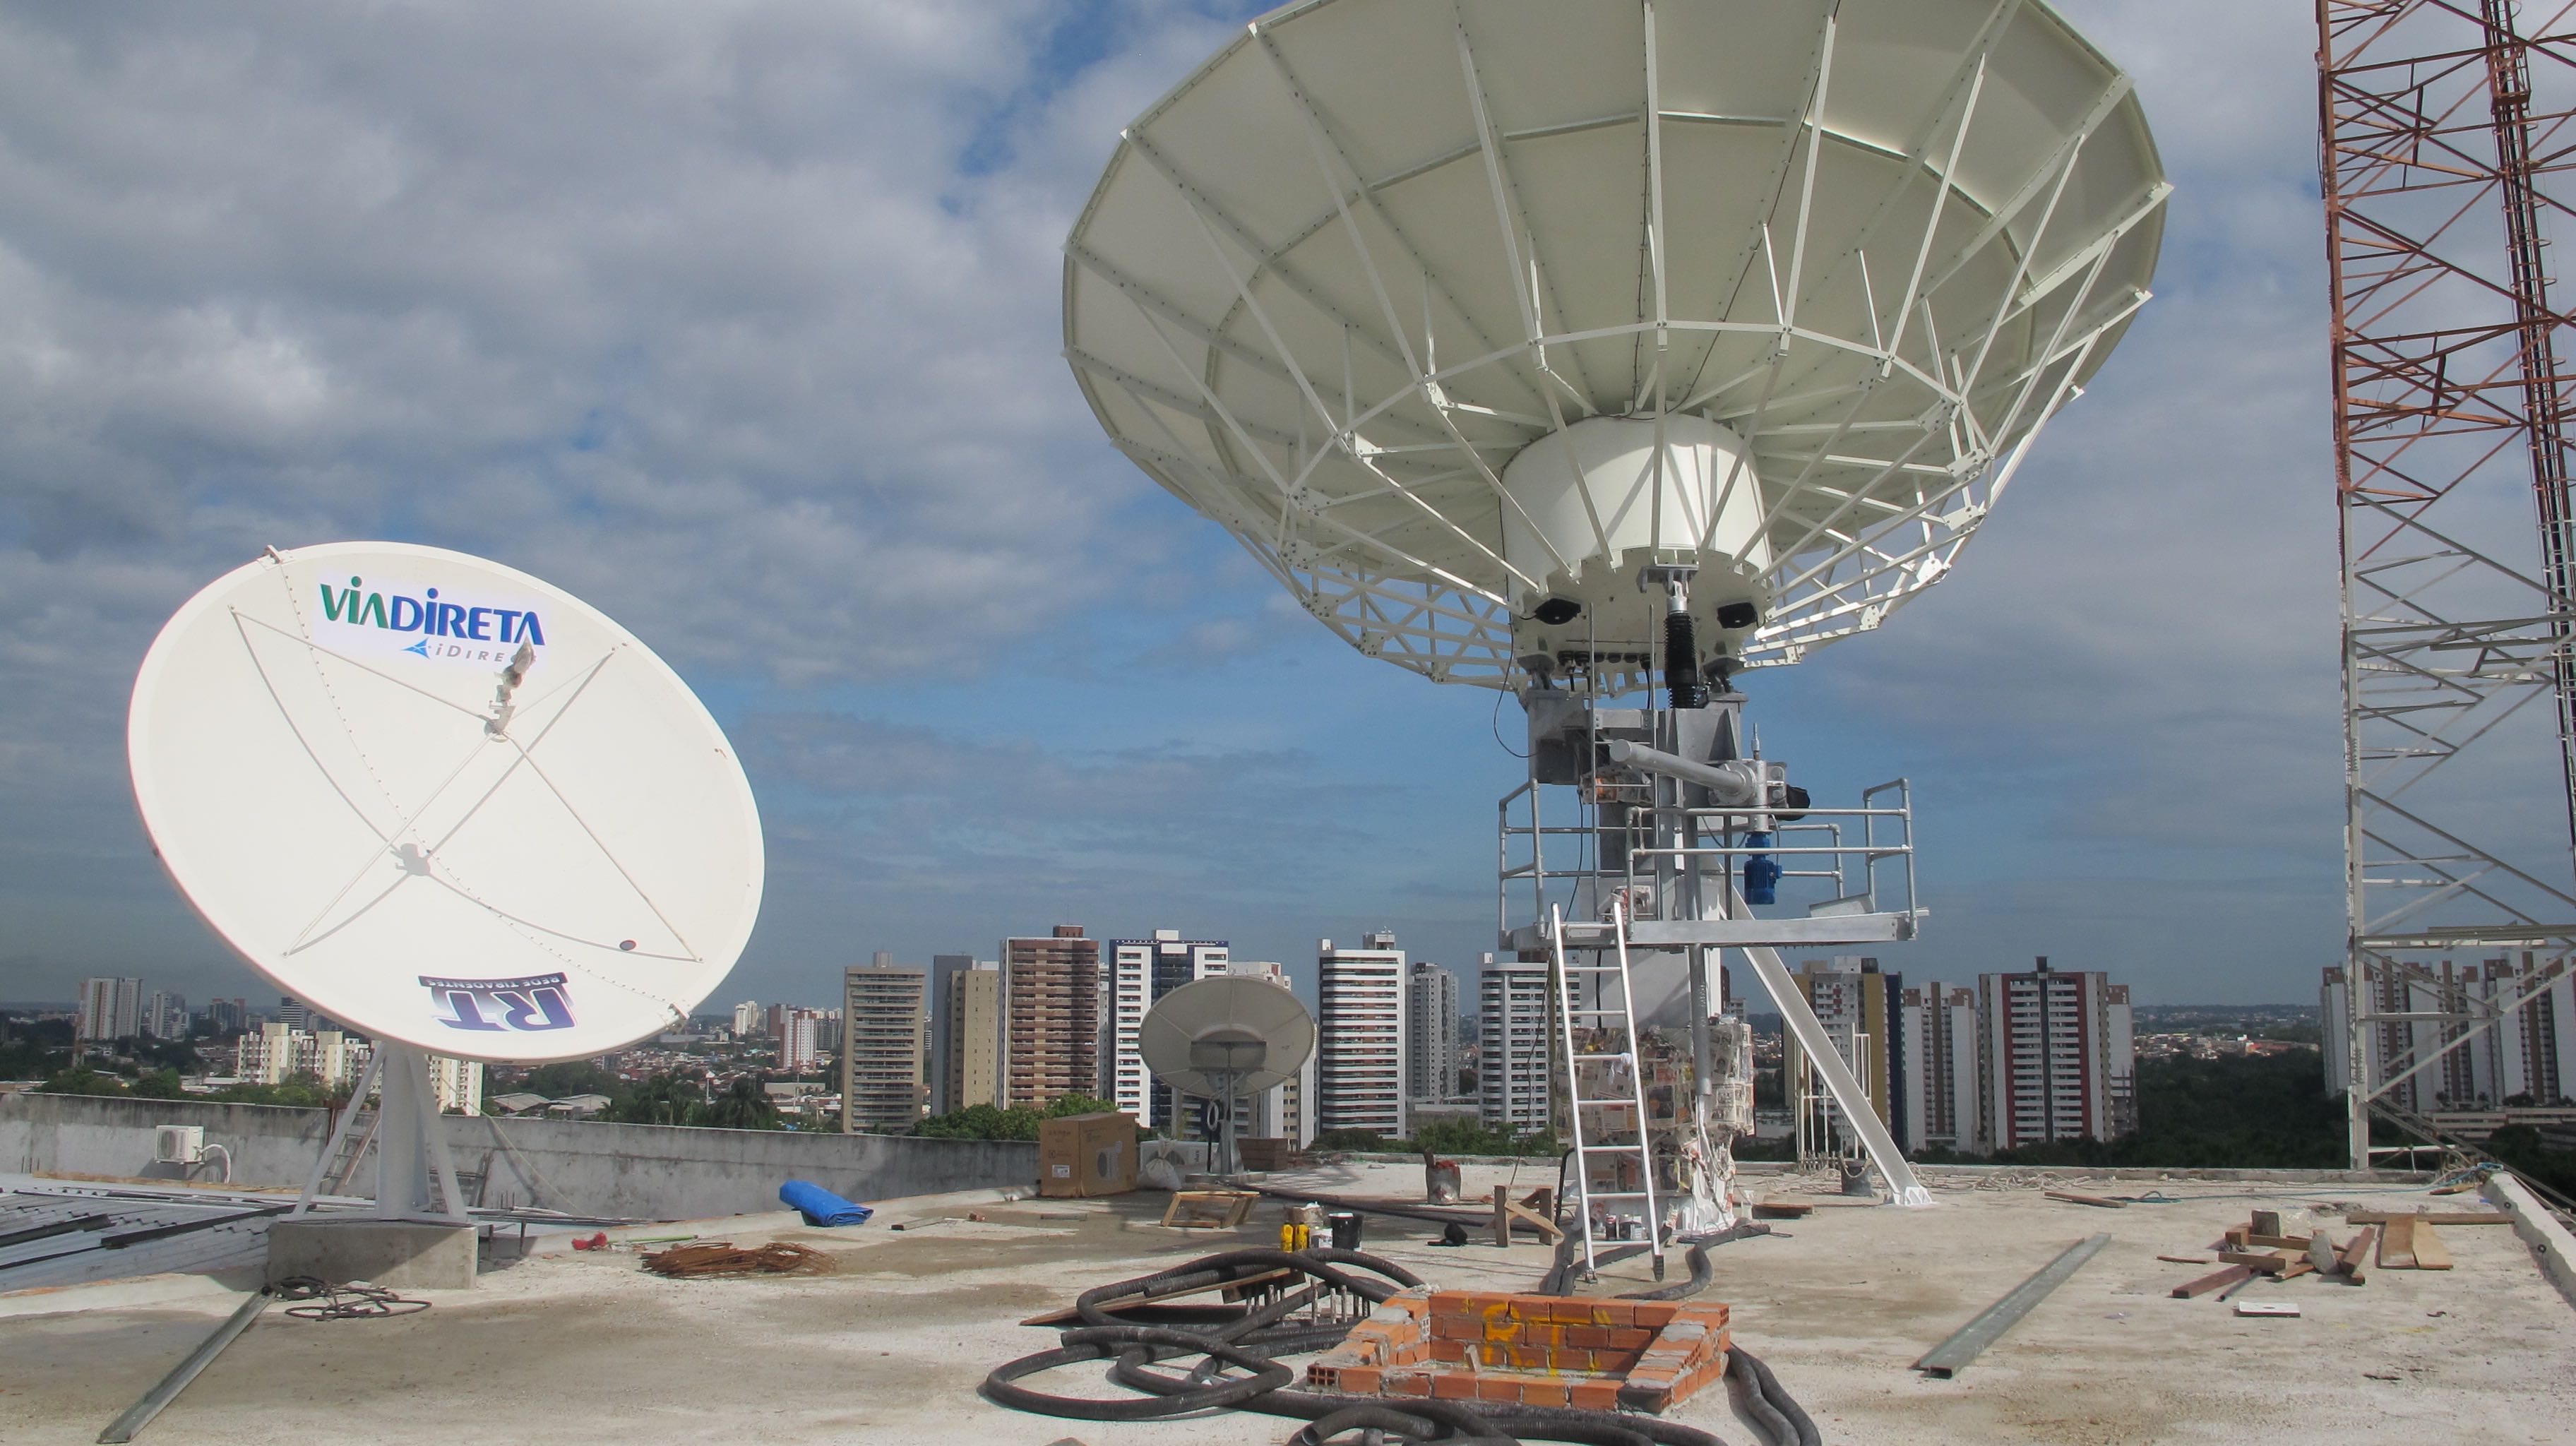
(743,1106)
(1079,1104)
(982,1122)
(160,1084)
(82,1080)
(668,1098)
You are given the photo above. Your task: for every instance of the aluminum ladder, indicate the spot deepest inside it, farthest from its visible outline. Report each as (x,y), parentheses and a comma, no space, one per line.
(1582,1094)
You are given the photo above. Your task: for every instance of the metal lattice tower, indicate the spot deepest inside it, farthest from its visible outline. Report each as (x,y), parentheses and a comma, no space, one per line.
(2447,143)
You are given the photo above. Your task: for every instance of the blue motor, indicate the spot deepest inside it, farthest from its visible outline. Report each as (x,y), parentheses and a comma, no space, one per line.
(1761,871)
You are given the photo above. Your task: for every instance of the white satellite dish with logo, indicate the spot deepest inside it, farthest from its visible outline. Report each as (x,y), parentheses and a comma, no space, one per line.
(1223,1039)
(447,804)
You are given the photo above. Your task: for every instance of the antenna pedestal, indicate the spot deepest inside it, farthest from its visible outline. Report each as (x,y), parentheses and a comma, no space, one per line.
(1678,829)
(415,1178)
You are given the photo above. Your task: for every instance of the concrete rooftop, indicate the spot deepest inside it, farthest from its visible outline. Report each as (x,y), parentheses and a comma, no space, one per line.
(586,1348)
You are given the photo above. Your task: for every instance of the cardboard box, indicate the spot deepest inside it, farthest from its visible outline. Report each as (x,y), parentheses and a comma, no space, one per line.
(1084,1155)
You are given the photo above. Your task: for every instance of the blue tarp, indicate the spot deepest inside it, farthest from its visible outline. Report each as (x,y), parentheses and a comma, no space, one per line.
(820,1206)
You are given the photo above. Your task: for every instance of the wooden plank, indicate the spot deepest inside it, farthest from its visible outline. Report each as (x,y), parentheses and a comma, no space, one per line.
(2101,1202)
(2430,1252)
(2297,1268)
(2269,1262)
(2184,1259)
(1208,1209)
(2348,1260)
(2277,1242)
(2212,1281)
(2430,1217)
(2397,1243)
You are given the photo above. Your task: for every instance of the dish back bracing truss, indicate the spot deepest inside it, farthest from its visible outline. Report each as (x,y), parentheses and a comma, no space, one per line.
(2447,136)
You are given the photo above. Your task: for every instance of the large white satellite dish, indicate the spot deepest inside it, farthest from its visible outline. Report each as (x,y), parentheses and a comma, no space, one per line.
(1457,315)
(1549,344)
(1224,1038)
(444,802)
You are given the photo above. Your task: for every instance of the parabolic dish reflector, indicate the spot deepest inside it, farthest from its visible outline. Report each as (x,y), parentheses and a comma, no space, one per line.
(1458,315)
(341,775)
(1249,1028)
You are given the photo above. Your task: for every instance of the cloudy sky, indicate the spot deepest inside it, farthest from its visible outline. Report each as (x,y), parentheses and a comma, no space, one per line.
(740,320)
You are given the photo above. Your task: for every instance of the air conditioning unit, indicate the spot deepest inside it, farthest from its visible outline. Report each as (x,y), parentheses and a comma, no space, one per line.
(178,1144)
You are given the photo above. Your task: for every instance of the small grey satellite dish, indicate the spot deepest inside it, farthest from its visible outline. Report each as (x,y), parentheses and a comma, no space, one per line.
(1223,1038)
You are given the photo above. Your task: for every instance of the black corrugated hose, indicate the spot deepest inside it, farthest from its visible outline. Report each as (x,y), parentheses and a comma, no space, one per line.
(1250,1342)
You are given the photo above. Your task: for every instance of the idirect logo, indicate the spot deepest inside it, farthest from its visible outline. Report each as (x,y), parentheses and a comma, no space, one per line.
(447,629)
(523,1006)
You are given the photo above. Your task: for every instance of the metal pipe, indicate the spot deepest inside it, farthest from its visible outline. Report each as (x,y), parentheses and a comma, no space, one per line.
(1953,1355)
(1729,784)
(140,1414)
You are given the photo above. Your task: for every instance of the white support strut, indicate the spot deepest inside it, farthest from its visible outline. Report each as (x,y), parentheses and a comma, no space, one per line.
(1840,1082)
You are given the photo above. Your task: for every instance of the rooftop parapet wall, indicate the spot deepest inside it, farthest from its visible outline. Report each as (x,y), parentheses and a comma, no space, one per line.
(580,1167)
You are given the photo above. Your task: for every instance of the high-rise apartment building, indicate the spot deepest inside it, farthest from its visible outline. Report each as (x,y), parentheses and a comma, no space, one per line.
(165,1015)
(1360,1047)
(1513,1046)
(966,1034)
(110,1009)
(1861,1010)
(943,968)
(747,1019)
(885,1051)
(2524,1057)
(2048,1067)
(1050,1017)
(1938,1088)
(1431,1033)
(228,1016)
(805,1036)
(1141,971)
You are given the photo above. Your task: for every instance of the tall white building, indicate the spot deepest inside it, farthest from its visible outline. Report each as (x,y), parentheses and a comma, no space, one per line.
(805,1036)
(458,1084)
(110,1009)
(1431,1033)
(746,1019)
(165,1015)
(1938,1090)
(1360,1036)
(2048,1068)
(885,1048)
(1512,1046)
(1140,972)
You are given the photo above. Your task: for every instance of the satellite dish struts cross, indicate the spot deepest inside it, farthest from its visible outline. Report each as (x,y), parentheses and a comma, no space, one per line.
(1547,345)
(449,805)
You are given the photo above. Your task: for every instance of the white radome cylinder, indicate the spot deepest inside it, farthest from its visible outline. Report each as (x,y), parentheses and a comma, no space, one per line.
(1705,470)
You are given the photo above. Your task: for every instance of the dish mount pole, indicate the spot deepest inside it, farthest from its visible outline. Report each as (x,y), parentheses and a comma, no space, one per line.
(2448,396)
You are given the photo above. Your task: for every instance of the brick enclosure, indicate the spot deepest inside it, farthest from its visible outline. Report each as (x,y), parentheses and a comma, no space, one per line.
(1537,1350)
